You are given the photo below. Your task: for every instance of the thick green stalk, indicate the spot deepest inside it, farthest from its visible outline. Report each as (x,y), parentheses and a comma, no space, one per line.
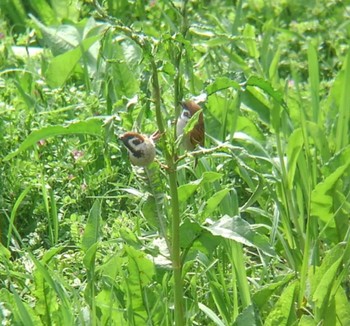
(174,203)
(176,253)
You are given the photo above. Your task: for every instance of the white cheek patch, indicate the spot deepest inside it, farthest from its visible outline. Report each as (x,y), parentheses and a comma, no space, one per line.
(185,115)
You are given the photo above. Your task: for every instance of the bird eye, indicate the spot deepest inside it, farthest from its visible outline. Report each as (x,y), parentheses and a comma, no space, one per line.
(136,141)
(186,114)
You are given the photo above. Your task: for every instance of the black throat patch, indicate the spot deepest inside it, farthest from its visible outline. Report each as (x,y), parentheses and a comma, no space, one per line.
(136,153)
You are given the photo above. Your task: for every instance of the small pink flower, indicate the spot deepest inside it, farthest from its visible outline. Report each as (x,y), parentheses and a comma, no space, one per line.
(42,142)
(77,154)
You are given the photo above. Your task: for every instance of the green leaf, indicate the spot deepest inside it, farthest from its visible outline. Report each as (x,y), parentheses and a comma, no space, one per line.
(213,202)
(282,313)
(343,118)
(249,34)
(14,212)
(65,307)
(62,66)
(149,210)
(140,274)
(92,229)
(314,82)
(322,197)
(59,39)
(210,176)
(307,320)
(342,305)
(323,279)
(90,257)
(211,314)
(5,254)
(251,99)
(237,229)
(295,144)
(192,122)
(316,274)
(322,295)
(246,317)
(190,231)
(44,11)
(266,87)
(187,190)
(261,297)
(320,138)
(91,126)
(66,9)
(22,310)
(222,83)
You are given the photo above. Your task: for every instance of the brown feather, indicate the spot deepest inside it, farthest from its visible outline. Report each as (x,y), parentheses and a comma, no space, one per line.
(197,134)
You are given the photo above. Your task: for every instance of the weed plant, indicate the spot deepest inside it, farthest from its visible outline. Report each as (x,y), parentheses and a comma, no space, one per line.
(251,230)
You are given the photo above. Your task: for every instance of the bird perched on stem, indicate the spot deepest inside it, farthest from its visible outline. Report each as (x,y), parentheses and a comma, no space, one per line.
(141,149)
(193,137)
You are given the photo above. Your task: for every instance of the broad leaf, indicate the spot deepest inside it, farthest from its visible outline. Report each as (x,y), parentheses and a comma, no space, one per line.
(92,126)
(237,229)
(92,229)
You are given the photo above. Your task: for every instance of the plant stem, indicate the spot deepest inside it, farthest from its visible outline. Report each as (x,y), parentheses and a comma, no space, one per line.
(174,203)
(176,254)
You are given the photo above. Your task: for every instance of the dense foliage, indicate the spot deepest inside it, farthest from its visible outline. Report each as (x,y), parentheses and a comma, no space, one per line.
(263,209)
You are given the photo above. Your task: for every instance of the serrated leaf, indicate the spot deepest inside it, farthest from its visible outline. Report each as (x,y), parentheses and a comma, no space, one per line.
(322,197)
(322,295)
(246,317)
(282,313)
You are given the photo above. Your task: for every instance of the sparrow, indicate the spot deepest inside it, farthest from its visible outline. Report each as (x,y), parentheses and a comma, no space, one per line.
(196,135)
(141,149)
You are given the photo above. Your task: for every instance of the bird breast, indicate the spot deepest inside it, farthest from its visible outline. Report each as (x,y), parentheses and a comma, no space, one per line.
(147,152)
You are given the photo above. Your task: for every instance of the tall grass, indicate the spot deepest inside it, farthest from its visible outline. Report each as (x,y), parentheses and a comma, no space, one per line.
(256,232)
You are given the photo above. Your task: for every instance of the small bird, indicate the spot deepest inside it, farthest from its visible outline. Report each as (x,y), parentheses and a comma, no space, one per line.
(141,149)
(196,135)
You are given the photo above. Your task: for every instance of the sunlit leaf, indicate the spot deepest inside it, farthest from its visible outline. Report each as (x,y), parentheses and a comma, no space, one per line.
(295,145)
(213,202)
(249,33)
(322,197)
(62,66)
(92,228)
(283,312)
(266,87)
(211,314)
(92,126)
(222,83)
(246,317)
(237,229)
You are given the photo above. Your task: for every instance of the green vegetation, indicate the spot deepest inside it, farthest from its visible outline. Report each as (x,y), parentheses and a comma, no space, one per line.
(256,233)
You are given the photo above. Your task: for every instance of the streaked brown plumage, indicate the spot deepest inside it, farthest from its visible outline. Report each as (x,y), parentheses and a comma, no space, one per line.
(141,149)
(197,134)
